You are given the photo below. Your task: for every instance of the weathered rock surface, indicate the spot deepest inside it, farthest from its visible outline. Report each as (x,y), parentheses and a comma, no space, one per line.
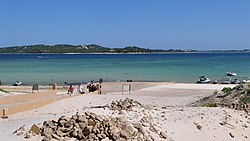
(136,124)
(126,104)
(35,129)
(94,127)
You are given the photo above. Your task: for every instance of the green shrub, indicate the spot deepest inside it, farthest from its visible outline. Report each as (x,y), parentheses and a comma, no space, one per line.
(227,90)
(245,99)
(248,91)
(209,105)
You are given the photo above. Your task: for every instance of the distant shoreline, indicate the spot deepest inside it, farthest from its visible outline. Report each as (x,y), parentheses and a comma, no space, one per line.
(97,49)
(141,52)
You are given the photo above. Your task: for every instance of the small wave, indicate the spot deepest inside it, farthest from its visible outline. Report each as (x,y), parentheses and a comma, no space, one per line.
(42,57)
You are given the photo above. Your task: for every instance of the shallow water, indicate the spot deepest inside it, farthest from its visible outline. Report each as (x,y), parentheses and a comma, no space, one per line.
(74,68)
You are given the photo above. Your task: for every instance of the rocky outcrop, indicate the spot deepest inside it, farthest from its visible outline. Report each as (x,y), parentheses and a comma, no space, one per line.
(126,104)
(92,127)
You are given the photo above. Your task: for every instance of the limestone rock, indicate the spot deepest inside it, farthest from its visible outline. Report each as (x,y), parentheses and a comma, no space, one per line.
(231,135)
(106,139)
(152,128)
(91,122)
(20,133)
(28,135)
(35,129)
(163,135)
(20,129)
(92,127)
(55,136)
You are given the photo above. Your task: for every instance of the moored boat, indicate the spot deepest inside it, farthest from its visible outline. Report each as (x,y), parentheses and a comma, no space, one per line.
(246,80)
(231,73)
(17,83)
(203,79)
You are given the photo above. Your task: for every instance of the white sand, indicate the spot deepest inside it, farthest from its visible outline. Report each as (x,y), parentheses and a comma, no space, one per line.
(178,120)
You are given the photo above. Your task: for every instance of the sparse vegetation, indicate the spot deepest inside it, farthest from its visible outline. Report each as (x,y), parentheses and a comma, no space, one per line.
(209,105)
(245,99)
(248,91)
(239,95)
(1,90)
(248,84)
(227,90)
(204,98)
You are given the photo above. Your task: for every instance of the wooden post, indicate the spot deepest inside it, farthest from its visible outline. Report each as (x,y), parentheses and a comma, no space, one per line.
(35,87)
(54,86)
(98,88)
(4,113)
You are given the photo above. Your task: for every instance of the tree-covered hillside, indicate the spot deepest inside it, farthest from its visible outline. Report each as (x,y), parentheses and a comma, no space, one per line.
(65,48)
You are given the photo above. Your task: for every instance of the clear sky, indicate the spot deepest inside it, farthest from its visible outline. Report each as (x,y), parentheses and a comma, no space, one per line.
(165,24)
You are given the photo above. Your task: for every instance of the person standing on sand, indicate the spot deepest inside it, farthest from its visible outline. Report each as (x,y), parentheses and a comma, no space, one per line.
(80,89)
(71,90)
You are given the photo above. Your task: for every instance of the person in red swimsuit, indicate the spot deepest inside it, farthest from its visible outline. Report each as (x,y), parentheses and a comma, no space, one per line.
(71,89)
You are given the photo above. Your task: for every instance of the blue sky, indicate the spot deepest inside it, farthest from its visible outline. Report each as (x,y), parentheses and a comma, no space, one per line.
(165,24)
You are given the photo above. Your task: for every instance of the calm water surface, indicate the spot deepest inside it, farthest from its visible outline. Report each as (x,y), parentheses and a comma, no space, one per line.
(74,68)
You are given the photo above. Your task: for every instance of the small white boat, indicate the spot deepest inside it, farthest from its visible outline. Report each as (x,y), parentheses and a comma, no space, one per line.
(231,73)
(17,83)
(246,80)
(204,79)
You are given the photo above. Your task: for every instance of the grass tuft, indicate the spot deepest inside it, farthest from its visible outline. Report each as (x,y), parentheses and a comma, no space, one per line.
(245,99)
(209,105)
(227,90)
(1,90)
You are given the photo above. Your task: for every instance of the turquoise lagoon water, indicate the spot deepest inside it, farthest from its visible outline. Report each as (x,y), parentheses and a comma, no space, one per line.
(74,68)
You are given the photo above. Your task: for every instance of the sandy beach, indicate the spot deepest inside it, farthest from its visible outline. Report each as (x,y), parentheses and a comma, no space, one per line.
(168,102)
(124,70)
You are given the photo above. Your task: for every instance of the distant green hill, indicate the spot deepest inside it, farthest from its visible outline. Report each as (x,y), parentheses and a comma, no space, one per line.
(93,48)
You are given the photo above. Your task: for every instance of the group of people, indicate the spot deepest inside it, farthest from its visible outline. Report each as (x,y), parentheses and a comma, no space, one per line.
(80,89)
(90,86)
